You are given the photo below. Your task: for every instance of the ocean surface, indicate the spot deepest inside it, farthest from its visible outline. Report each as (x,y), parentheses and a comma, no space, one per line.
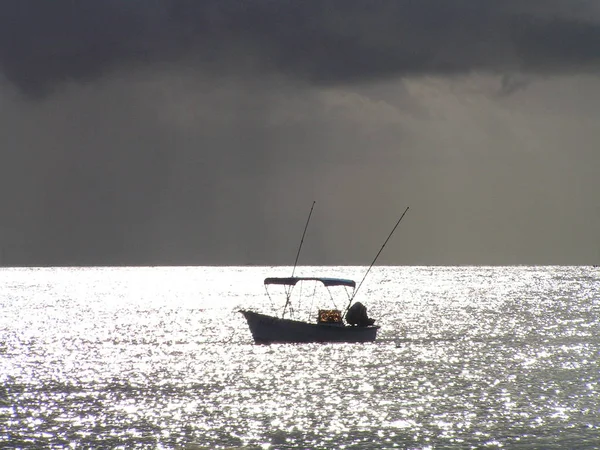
(467,357)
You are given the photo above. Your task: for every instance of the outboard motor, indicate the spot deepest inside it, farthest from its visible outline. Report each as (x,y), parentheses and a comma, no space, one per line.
(357,315)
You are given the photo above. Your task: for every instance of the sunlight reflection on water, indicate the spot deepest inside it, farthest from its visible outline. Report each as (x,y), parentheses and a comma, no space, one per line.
(160,358)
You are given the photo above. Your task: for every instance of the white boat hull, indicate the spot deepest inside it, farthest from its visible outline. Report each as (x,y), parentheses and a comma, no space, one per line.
(268,329)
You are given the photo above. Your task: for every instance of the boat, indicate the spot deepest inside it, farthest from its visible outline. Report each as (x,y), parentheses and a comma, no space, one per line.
(329,324)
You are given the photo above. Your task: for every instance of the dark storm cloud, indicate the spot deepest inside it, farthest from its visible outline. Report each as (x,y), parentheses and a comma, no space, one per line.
(47,42)
(199,132)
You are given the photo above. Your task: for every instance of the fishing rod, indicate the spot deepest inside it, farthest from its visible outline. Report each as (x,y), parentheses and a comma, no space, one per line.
(289,293)
(303,234)
(377,256)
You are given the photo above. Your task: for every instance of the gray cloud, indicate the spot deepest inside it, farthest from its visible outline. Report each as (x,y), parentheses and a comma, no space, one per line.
(190,132)
(44,43)
(165,168)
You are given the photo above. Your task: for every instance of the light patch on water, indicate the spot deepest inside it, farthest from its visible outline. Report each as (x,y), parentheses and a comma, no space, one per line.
(159,358)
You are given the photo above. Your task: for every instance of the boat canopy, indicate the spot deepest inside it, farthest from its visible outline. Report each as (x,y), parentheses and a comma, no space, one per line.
(291,281)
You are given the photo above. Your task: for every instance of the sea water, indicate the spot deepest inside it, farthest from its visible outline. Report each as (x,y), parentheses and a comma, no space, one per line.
(156,357)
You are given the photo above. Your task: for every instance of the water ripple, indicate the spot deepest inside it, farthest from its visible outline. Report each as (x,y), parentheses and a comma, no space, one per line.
(159,358)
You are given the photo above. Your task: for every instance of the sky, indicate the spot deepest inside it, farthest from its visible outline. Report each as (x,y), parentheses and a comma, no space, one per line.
(178,132)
